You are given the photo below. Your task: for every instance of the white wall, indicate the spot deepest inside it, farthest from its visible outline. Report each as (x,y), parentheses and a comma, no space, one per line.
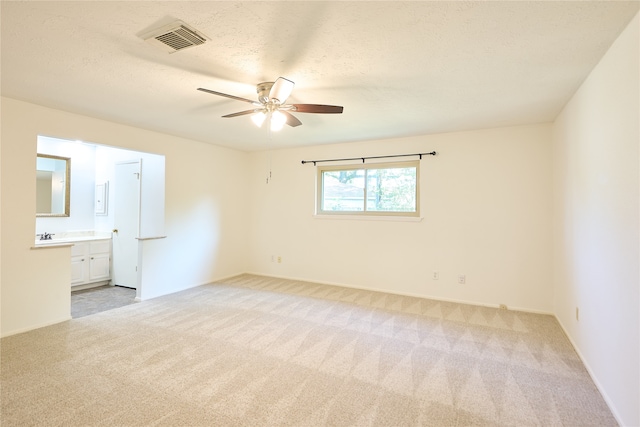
(205,219)
(152,188)
(82,185)
(486,203)
(596,224)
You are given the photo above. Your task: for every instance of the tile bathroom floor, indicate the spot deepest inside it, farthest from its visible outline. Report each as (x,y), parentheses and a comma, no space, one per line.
(102,298)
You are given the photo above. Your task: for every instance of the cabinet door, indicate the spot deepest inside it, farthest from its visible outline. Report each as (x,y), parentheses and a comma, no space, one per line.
(99,267)
(78,272)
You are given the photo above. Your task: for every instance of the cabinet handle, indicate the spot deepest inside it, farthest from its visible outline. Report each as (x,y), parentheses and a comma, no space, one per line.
(91,257)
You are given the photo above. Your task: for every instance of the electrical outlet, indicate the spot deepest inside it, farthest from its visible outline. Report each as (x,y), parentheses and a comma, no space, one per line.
(436,275)
(279,259)
(273,258)
(462,279)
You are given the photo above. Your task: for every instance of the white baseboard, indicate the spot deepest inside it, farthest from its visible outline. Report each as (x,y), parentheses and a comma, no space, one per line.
(407,294)
(37,326)
(191,286)
(90,285)
(592,374)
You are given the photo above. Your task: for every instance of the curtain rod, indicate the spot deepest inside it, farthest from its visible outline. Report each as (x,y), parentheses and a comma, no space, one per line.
(433,153)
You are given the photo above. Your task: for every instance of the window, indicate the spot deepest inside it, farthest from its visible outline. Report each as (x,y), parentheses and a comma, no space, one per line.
(374,189)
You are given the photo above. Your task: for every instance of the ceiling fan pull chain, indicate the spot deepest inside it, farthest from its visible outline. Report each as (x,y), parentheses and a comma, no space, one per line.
(268,160)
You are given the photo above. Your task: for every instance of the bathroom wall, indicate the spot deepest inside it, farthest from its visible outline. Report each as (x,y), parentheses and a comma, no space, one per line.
(83,159)
(152,188)
(94,164)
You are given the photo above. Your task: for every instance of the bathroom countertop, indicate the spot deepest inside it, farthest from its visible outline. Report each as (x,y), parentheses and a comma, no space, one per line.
(72,237)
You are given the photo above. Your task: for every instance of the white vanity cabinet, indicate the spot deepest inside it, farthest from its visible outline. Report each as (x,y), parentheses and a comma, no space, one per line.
(90,262)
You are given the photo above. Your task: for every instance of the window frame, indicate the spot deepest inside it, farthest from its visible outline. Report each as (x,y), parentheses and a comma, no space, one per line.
(362,166)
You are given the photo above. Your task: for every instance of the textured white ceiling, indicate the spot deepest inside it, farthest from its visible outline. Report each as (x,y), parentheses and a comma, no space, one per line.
(398,68)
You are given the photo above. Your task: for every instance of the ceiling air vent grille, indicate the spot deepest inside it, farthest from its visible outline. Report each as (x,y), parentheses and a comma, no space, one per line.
(174,37)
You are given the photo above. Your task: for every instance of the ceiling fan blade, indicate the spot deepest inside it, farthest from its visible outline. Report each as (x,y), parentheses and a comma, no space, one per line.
(291,119)
(241,113)
(317,108)
(237,98)
(281,89)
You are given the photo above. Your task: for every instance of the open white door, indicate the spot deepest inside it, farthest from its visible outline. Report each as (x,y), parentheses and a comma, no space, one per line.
(126,212)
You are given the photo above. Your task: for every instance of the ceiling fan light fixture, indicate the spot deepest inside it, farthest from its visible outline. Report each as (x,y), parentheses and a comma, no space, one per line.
(277,120)
(258,118)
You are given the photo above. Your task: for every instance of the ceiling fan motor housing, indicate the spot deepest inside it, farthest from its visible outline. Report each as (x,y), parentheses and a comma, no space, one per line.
(263,90)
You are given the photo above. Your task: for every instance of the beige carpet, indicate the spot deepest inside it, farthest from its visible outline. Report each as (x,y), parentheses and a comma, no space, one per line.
(257,351)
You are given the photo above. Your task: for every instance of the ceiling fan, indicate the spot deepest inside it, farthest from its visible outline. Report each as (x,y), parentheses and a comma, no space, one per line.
(271,105)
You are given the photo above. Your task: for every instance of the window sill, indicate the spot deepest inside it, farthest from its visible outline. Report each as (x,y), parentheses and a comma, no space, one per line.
(371,217)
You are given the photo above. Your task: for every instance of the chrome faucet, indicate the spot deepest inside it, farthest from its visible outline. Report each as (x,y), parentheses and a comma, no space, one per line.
(45,236)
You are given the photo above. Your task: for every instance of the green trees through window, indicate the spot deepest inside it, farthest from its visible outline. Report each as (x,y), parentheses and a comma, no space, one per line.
(382,189)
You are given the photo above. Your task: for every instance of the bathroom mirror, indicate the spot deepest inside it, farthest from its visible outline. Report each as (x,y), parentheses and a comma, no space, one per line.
(53,185)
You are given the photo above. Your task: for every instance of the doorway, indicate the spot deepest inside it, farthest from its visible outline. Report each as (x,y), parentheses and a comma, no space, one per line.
(86,302)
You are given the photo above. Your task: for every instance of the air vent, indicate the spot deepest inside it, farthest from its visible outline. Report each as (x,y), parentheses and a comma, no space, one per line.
(174,37)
